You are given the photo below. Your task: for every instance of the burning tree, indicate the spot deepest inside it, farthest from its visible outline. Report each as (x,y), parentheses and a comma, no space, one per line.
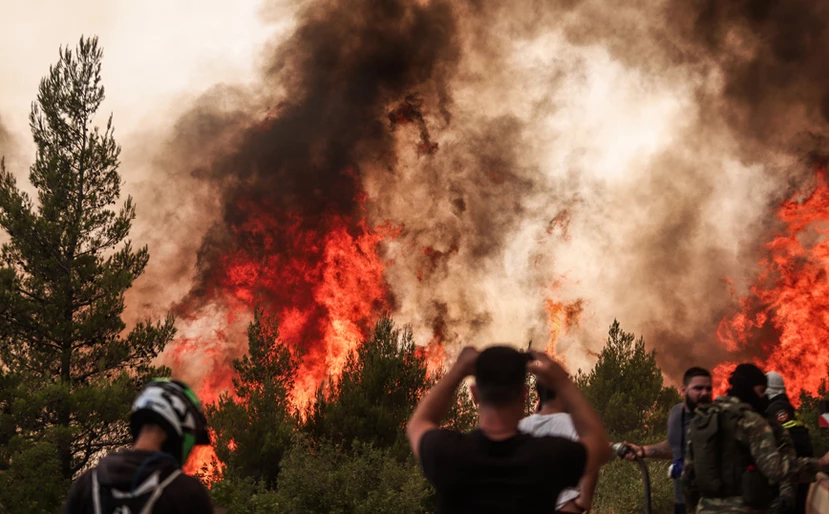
(381,384)
(65,269)
(254,426)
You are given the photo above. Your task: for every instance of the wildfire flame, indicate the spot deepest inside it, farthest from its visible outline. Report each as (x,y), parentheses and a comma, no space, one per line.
(322,278)
(784,320)
(562,318)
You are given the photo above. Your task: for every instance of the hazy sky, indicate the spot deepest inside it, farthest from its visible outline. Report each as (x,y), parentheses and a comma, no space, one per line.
(156,53)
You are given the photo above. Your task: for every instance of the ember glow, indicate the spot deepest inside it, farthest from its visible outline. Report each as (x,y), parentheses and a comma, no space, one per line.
(784,320)
(564,318)
(322,278)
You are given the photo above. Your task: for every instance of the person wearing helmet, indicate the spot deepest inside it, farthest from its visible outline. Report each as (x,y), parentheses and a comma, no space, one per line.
(166,422)
(781,411)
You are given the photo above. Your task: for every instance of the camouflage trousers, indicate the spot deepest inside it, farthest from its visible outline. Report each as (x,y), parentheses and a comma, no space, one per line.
(725,506)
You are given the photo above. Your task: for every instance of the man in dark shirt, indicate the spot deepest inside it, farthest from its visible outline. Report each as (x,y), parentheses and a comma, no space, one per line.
(495,468)
(696,388)
(166,422)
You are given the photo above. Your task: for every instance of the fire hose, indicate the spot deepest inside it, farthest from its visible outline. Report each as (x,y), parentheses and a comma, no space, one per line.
(622,450)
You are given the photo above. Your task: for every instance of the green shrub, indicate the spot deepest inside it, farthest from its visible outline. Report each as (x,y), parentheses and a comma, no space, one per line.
(362,480)
(620,489)
(244,496)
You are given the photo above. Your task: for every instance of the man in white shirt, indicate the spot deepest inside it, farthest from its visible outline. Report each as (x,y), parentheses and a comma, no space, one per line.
(550,419)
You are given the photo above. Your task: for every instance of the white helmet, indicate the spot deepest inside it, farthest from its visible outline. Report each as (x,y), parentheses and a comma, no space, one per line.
(174,407)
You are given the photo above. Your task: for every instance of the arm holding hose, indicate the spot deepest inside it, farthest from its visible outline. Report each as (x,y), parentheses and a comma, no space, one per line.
(661,450)
(624,451)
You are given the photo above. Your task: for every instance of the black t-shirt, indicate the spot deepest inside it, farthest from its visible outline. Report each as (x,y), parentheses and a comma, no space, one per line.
(128,468)
(522,474)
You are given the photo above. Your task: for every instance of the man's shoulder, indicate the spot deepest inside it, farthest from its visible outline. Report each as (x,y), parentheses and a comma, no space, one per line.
(752,424)
(527,423)
(780,409)
(189,492)
(79,498)
(446,433)
(560,424)
(184,481)
(440,437)
(553,445)
(675,415)
(676,410)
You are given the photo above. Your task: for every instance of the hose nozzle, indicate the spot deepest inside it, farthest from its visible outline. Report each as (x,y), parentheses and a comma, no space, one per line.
(620,449)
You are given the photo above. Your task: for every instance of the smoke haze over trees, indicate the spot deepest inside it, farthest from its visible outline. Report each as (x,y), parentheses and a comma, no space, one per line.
(68,368)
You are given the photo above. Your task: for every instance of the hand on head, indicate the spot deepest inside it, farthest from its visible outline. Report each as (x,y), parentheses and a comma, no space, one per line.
(549,372)
(466,360)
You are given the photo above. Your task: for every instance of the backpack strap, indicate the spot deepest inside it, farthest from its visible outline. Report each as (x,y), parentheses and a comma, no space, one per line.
(96,492)
(148,508)
(158,489)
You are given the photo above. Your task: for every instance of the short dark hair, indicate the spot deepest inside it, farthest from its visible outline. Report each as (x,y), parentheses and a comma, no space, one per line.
(545,394)
(500,375)
(695,371)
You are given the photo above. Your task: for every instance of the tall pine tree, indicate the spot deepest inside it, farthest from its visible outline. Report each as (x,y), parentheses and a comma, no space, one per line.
(258,421)
(63,275)
(626,387)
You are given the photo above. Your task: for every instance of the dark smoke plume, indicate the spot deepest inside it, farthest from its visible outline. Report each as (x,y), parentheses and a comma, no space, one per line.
(470,127)
(350,77)
(772,54)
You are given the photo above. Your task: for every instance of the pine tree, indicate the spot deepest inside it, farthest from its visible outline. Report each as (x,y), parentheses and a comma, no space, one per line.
(255,426)
(626,387)
(63,275)
(381,384)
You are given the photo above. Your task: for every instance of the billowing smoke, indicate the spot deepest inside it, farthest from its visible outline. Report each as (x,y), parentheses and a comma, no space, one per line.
(5,139)
(628,160)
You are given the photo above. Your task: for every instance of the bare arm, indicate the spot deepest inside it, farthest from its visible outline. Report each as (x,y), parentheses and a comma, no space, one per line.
(587,487)
(661,450)
(585,420)
(435,405)
(658,451)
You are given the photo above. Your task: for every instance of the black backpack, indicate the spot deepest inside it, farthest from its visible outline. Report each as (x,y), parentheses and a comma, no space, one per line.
(140,500)
(723,467)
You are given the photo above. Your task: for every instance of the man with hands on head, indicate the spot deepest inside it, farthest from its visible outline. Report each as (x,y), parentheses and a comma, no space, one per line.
(496,468)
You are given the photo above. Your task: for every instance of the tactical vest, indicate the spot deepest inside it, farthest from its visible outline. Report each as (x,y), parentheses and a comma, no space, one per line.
(141,500)
(723,467)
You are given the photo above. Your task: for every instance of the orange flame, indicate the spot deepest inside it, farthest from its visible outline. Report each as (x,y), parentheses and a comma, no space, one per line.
(783,320)
(562,318)
(434,354)
(204,464)
(320,275)
(324,283)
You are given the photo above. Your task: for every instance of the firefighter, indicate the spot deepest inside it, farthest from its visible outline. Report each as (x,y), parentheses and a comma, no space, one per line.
(733,460)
